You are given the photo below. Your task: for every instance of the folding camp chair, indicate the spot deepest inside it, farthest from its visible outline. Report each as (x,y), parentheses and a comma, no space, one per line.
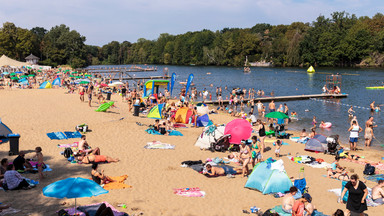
(301,183)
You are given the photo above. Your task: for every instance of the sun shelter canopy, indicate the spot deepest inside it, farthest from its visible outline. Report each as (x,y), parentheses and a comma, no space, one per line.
(155,112)
(4,131)
(152,87)
(5,60)
(209,135)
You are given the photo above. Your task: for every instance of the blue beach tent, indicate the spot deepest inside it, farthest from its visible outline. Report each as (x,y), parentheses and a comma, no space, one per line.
(4,131)
(45,85)
(203,121)
(267,180)
(57,82)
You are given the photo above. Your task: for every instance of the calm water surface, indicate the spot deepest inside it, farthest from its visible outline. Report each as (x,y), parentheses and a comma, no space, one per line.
(296,81)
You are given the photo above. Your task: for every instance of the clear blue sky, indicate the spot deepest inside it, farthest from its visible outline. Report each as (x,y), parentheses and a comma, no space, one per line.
(102,21)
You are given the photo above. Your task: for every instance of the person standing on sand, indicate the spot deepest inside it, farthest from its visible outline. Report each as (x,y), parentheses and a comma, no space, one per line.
(261,129)
(89,92)
(357,194)
(354,135)
(81,93)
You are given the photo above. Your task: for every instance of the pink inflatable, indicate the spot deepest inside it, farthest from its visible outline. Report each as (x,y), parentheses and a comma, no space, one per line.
(239,129)
(326,125)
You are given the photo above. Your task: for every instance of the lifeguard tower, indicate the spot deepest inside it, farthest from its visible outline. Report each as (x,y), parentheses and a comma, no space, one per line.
(153,86)
(332,82)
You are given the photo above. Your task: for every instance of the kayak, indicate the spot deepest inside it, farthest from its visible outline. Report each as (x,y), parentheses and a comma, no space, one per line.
(375,87)
(103,107)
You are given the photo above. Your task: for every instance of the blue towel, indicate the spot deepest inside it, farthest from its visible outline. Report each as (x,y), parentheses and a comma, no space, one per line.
(175,133)
(375,178)
(71,135)
(171,133)
(56,135)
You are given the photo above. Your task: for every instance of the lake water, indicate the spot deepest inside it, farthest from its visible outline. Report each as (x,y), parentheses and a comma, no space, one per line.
(296,81)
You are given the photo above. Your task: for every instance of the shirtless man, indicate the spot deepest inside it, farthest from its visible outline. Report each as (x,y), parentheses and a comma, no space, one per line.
(89,92)
(217,171)
(288,200)
(378,193)
(40,162)
(81,92)
(84,148)
(369,122)
(372,106)
(96,159)
(272,106)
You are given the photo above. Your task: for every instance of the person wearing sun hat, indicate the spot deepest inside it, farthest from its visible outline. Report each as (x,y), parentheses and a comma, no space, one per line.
(298,208)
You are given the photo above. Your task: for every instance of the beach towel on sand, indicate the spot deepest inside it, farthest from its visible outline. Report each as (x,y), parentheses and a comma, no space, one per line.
(158,145)
(92,208)
(278,209)
(189,192)
(34,163)
(75,144)
(171,133)
(72,135)
(375,178)
(56,136)
(118,183)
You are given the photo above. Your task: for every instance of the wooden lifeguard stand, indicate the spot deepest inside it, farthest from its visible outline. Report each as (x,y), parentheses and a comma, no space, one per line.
(333,81)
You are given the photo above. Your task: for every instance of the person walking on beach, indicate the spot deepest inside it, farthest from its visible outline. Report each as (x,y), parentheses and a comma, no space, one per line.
(245,157)
(81,93)
(368,135)
(261,128)
(357,194)
(89,92)
(354,135)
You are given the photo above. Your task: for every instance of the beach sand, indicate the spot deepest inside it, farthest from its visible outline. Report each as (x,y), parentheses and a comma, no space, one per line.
(153,174)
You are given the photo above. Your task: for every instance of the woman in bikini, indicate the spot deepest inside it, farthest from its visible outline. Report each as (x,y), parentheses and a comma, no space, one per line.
(96,159)
(245,157)
(99,177)
(256,152)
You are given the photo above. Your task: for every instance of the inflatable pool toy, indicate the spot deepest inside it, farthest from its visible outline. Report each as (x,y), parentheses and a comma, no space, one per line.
(104,107)
(326,125)
(311,70)
(375,87)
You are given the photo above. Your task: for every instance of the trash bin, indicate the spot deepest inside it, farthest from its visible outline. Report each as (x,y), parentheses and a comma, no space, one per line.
(13,144)
(136,110)
(109,95)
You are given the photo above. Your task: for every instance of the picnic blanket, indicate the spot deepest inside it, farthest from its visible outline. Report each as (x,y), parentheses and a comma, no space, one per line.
(314,164)
(379,166)
(279,209)
(171,133)
(374,178)
(189,192)
(65,135)
(118,183)
(92,208)
(34,163)
(158,145)
(179,125)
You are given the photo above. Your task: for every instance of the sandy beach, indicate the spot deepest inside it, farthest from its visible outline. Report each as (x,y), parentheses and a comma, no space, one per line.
(153,174)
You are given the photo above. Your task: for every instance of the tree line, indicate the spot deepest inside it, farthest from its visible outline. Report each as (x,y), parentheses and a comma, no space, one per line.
(339,40)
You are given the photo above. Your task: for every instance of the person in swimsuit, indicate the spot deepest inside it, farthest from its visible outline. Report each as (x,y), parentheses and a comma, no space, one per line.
(372,106)
(256,152)
(40,162)
(84,148)
(314,122)
(89,92)
(289,200)
(81,92)
(350,112)
(378,192)
(368,135)
(245,157)
(354,135)
(278,146)
(99,177)
(262,134)
(272,106)
(96,159)
(224,170)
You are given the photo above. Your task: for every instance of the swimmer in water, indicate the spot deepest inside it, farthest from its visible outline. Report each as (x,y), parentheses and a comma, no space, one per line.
(350,112)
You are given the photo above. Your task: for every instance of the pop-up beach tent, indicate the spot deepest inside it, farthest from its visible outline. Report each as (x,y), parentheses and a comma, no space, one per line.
(155,112)
(317,144)
(56,82)
(209,135)
(4,131)
(203,121)
(182,115)
(268,180)
(45,85)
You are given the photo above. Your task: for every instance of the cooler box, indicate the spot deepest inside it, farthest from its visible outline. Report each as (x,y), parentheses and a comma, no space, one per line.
(136,110)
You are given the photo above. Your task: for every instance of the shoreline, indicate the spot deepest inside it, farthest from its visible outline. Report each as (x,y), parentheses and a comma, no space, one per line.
(152,173)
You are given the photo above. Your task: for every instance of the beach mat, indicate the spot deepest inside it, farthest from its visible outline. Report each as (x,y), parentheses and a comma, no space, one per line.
(189,192)
(56,136)
(118,183)
(279,209)
(72,135)
(75,144)
(374,178)
(158,145)
(172,133)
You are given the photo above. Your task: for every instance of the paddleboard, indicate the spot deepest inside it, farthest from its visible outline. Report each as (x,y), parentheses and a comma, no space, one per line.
(375,87)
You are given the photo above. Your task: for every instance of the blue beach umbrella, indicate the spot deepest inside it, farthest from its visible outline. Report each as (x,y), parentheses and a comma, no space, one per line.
(73,188)
(5,73)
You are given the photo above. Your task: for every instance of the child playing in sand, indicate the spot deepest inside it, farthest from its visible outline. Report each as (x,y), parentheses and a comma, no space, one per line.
(278,146)
(40,162)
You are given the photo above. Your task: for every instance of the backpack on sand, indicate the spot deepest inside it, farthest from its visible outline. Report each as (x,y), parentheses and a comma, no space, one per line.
(68,152)
(369,169)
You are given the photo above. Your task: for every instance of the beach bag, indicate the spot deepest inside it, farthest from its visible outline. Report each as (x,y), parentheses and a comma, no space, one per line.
(369,169)
(68,152)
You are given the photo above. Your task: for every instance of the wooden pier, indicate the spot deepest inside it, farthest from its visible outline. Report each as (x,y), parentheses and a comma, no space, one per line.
(284,98)
(144,78)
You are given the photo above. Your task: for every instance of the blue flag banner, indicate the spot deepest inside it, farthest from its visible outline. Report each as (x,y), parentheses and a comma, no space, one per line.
(173,80)
(190,79)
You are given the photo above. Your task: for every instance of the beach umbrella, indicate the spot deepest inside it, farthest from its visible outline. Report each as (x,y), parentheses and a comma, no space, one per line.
(14,78)
(103,85)
(13,74)
(71,76)
(73,188)
(23,76)
(18,72)
(31,75)
(83,82)
(88,75)
(116,84)
(5,73)
(277,115)
(239,129)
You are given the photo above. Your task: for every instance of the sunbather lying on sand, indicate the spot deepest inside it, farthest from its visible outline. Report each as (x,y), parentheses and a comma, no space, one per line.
(226,170)
(353,158)
(96,159)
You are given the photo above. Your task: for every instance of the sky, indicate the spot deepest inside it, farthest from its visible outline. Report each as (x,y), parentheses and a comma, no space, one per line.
(103,21)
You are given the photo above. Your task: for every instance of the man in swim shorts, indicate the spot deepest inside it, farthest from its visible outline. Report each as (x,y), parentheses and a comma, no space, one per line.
(96,159)
(225,170)
(84,148)
(378,193)
(81,92)
(272,106)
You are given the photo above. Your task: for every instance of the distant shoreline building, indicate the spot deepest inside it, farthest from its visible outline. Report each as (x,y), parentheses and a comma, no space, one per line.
(32,59)
(261,63)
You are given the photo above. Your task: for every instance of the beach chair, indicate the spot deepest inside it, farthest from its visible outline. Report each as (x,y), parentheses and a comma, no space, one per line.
(301,183)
